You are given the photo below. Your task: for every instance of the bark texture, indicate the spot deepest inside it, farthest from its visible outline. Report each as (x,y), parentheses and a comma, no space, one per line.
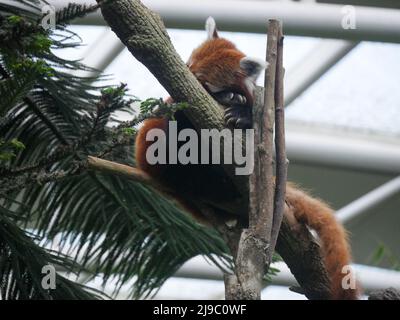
(143,33)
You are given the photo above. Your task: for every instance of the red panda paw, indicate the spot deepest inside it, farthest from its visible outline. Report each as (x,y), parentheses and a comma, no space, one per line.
(230,99)
(238,117)
(237,112)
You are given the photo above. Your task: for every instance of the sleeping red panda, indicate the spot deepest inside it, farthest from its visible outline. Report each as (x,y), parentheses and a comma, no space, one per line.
(229,76)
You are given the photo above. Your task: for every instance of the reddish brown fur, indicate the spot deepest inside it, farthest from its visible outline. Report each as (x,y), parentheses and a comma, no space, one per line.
(160,172)
(217,61)
(335,249)
(141,145)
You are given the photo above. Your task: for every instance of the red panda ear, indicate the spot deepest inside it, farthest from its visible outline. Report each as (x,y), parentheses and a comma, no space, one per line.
(252,66)
(211,28)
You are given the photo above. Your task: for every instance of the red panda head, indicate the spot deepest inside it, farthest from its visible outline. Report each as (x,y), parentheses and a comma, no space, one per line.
(220,66)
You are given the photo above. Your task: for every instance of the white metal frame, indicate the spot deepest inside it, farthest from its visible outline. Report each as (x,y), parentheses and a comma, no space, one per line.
(306,19)
(372,199)
(303,19)
(103,51)
(371,278)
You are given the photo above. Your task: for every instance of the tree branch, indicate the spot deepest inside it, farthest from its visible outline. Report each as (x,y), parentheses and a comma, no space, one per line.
(301,252)
(386,294)
(254,252)
(296,245)
(41,177)
(280,145)
(144,35)
(125,171)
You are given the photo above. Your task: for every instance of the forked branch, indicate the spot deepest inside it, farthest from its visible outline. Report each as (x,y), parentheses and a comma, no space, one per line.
(143,33)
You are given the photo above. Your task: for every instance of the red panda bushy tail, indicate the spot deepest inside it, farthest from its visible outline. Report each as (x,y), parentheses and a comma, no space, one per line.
(334,246)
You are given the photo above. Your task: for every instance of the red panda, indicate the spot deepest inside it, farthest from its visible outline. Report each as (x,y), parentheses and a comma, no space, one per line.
(229,76)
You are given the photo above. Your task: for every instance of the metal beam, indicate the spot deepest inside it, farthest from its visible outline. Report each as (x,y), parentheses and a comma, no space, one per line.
(299,78)
(395,4)
(369,201)
(102,52)
(346,150)
(371,278)
(302,19)
(320,59)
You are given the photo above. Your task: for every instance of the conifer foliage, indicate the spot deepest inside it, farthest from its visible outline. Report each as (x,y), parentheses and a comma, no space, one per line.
(50,121)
